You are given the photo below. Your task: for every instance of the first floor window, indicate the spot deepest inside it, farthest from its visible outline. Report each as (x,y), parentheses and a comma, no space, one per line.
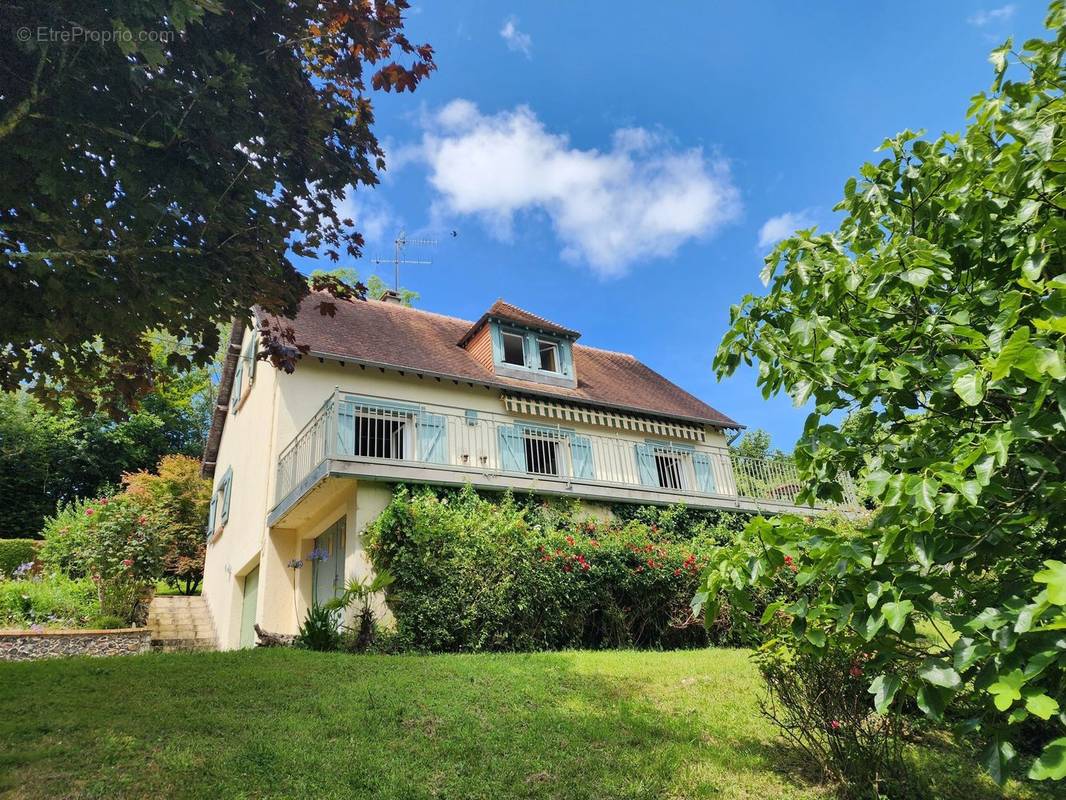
(669,469)
(542,454)
(381,436)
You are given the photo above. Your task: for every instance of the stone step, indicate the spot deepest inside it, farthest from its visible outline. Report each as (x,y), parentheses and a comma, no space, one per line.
(182,633)
(181,624)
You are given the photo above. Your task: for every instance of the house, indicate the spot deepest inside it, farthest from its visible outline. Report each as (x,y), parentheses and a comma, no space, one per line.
(303,462)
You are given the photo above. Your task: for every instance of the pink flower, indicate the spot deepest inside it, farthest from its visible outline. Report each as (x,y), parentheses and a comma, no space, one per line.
(103,501)
(88,512)
(142,519)
(855,670)
(835,725)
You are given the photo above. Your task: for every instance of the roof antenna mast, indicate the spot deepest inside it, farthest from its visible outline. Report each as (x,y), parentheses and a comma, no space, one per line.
(401,241)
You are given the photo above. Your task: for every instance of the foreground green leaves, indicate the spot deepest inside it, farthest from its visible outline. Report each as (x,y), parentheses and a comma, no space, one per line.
(942,300)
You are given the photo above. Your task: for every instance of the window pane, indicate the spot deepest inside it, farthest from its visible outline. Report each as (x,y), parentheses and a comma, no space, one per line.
(549,359)
(668,468)
(513,350)
(379,437)
(542,455)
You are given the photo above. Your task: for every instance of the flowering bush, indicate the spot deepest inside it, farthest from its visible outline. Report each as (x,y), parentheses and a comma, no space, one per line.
(472,574)
(124,556)
(175,498)
(66,538)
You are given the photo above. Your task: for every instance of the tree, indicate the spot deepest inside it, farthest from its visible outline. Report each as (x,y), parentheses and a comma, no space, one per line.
(756,444)
(161,157)
(374,287)
(51,455)
(937,311)
(175,500)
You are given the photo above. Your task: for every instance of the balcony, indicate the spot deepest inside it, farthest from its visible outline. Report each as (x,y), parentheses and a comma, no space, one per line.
(398,441)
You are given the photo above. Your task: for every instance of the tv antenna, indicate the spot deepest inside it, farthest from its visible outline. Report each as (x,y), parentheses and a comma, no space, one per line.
(400,242)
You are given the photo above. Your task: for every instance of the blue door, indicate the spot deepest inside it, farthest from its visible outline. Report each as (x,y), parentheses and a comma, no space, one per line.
(328,573)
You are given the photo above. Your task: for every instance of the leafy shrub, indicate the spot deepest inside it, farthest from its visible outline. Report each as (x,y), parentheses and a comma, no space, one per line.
(52,599)
(66,538)
(107,623)
(821,704)
(176,499)
(472,574)
(16,552)
(320,630)
(124,557)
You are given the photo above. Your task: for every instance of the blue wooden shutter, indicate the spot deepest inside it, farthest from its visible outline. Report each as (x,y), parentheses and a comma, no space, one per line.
(581,455)
(512,448)
(250,354)
(235,392)
(566,361)
(432,439)
(345,428)
(227,490)
(211,515)
(701,464)
(646,465)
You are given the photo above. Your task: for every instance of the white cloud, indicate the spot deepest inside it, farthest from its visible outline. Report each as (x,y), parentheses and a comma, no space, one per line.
(641,198)
(1001,14)
(517,41)
(783,225)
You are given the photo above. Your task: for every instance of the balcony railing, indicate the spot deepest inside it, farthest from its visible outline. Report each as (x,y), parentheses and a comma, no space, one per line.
(387,431)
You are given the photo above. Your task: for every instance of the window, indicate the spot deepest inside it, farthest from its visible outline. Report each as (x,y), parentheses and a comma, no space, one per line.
(514,350)
(238,382)
(542,453)
(381,435)
(549,355)
(668,468)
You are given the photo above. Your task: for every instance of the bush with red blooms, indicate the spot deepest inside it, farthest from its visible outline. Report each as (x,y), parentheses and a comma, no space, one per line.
(479,574)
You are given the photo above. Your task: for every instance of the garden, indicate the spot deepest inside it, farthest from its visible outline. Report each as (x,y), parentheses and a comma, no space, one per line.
(99,561)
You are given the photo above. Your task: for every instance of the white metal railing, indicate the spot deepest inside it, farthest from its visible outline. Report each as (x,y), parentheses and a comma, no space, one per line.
(350,427)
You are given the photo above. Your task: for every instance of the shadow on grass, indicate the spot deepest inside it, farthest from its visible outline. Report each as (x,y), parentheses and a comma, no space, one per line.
(297,724)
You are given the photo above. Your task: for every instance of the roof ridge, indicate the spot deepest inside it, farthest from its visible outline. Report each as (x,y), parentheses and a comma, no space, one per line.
(392,306)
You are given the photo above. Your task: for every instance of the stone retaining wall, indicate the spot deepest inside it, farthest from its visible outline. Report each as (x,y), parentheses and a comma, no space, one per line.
(29,645)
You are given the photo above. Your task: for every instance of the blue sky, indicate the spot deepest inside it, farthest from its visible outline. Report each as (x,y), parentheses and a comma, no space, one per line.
(622,170)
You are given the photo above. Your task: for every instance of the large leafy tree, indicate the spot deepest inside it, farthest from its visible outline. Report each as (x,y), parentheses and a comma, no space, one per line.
(53,454)
(935,316)
(160,158)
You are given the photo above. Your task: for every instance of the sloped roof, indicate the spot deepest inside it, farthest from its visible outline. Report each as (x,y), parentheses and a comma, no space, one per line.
(503,310)
(392,335)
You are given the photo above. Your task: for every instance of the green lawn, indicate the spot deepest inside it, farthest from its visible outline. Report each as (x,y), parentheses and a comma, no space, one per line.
(284,723)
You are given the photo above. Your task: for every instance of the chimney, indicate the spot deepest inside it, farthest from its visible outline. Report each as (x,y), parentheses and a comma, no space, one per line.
(389,296)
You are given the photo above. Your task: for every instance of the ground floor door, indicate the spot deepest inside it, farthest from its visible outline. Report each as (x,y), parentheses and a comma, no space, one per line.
(251,590)
(328,569)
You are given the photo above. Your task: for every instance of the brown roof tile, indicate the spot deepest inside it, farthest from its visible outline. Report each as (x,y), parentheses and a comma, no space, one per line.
(388,334)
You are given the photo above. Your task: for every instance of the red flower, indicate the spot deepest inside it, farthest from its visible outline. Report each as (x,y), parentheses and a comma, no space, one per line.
(570,540)
(585,566)
(88,512)
(835,725)
(142,519)
(677,572)
(594,543)
(103,501)
(855,670)
(127,562)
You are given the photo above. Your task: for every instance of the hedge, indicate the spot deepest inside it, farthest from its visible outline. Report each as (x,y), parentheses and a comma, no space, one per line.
(14,552)
(472,574)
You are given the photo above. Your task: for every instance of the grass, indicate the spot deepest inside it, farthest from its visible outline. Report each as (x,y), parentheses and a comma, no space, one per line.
(292,724)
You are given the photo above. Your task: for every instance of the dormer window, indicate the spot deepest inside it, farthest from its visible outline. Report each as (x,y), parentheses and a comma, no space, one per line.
(514,348)
(515,344)
(549,355)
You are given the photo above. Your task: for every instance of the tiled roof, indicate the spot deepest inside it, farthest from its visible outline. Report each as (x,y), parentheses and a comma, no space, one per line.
(392,335)
(503,310)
